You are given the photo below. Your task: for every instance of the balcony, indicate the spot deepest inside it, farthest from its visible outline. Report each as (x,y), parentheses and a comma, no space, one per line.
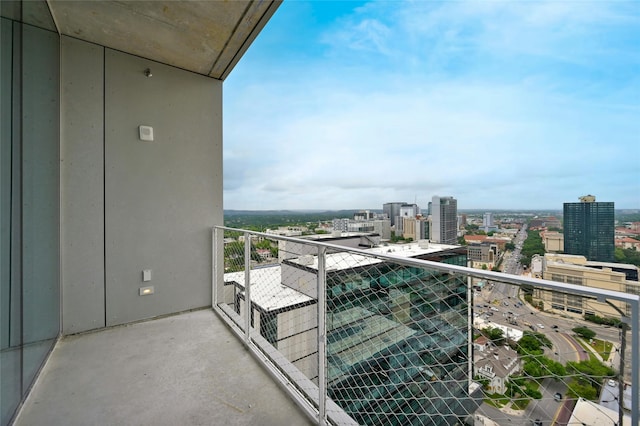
(344,336)
(180,369)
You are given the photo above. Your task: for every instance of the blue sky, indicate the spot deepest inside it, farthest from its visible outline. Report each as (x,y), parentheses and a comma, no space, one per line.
(500,104)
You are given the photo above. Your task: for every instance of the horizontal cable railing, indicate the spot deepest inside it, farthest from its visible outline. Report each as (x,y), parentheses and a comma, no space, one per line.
(409,335)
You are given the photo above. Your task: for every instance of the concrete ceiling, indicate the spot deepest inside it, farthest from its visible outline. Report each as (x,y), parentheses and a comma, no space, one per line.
(206,37)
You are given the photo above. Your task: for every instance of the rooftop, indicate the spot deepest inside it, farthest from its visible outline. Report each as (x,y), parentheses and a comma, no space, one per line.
(267,289)
(342,260)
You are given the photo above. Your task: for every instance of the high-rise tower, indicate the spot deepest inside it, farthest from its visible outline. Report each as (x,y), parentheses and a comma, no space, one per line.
(392,210)
(589,229)
(444,220)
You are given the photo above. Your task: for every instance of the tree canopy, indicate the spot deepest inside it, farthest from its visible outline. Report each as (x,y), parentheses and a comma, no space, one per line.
(532,343)
(588,376)
(584,332)
(532,245)
(494,334)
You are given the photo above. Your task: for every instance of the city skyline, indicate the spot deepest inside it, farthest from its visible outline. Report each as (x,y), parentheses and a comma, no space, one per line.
(343,105)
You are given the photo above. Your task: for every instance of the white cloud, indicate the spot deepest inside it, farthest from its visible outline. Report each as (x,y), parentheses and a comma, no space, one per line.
(414,99)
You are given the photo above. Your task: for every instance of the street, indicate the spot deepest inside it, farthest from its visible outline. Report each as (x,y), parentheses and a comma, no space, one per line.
(499,303)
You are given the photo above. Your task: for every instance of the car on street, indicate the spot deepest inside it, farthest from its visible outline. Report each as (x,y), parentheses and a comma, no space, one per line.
(557,396)
(612,383)
(540,326)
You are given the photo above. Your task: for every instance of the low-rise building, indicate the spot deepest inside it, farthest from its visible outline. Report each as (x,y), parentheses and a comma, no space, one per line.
(483,254)
(628,243)
(576,269)
(553,241)
(496,364)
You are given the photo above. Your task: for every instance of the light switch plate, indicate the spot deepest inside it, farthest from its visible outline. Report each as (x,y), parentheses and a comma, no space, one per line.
(146,275)
(146,133)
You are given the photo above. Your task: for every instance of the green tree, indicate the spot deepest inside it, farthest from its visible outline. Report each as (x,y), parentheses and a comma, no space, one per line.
(519,386)
(532,343)
(483,381)
(603,320)
(579,388)
(539,367)
(494,334)
(532,245)
(584,332)
(533,368)
(234,256)
(555,369)
(591,372)
(629,256)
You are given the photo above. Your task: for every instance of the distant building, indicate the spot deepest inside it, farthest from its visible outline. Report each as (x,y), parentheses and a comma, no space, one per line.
(409,227)
(363,215)
(545,223)
(341,224)
(407,211)
(628,243)
(487,219)
(487,222)
(381,227)
(553,241)
(535,269)
(444,220)
(577,270)
(589,229)
(423,226)
(392,210)
(483,254)
(287,231)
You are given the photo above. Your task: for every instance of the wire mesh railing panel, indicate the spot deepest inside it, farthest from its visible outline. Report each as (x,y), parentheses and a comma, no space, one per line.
(405,341)
(397,336)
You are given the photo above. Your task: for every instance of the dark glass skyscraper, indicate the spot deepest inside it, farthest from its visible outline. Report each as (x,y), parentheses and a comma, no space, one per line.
(589,229)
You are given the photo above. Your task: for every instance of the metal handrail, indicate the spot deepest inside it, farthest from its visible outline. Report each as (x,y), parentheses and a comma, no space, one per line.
(321,416)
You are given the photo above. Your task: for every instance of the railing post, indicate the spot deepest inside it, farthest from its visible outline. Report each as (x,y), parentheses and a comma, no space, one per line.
(322,337)
(247,287)
(635,363)
(469,327)
(214,266)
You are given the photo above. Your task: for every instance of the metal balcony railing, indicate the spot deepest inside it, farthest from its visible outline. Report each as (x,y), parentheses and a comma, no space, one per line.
(382,336)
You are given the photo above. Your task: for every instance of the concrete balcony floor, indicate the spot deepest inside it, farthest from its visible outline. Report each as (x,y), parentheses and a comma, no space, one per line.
(186,369)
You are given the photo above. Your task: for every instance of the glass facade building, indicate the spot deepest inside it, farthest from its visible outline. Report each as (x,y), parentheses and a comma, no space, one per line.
(397,343)
(397,336)
(589,229)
